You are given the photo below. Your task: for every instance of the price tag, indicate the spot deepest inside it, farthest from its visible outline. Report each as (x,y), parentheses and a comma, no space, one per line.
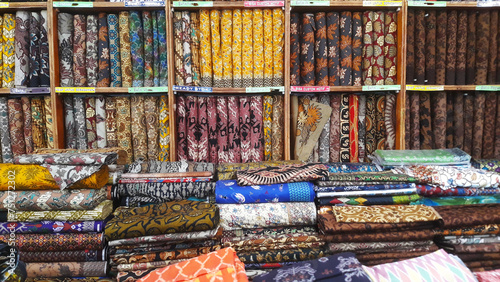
(381,88)
(193,4)
(427,3)
(425,87)
(310,3)
(30,90)
(310,88)
(264,3)
(192,89)
(382,3)
(147,89)
(144,4)
(4,5)
(264,89)
(488,88)
(75,89)
(73,4)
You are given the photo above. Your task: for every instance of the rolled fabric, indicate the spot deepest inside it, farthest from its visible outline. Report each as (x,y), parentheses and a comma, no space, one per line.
(195,47)
(138,127)
(212,130)
(470,67)
(267,215)
(438,103)
(245,130)
(426,136)
(257,136)
(307,75)
(145,257)
(79,50)
(229,192)
(353,128)
(278,46)
(333,33)
(441,17)
(22,45)
(114,51)
(216,48)
(451,47)
(125,60)
(136,48)
(34,50)
(182,49)
(123,133)
(202,138)
(170,217)
(462,48)
(277,128)
(90,121)
(478,129)
(44,50)
(281,174)
(38,123)
(53,242)
(156,55)
(468,123)
(192,124)
(64,256)
(104,74)
(226,44)
(80,123)
(247,48)
(233,130)
(50,227)
(92,54)
(367,72)
(324,138)
(1,45)
(182,147)
(390,121)
(420,48)
(353,194)
(110,122)
(489,125)
(378,59)
(147,28)
(164,153)
(205,49)
(268,47)
(152,126)
(364,188)
(222,123)
(344,128)
(497,131)
(162,192)
(16,127)
(162,48)
(267,123)
(458,120)
(346,49)
(236,48)
(28,132)
(88,269)
(295,53)
(49,125)
(5,135)
(357,49)
(335,128)
(152,166)
(320,55)
(482,46)
(390,47)
(361,127)
(64,32)
(100,126)
(410,47)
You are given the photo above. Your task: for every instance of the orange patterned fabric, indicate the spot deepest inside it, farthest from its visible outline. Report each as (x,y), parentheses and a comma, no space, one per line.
(222,265)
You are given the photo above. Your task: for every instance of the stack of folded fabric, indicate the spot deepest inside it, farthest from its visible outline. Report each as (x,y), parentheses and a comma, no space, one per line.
(364,185)
(154,236)
(269,216)
(472,234)
(379,234)
(227,171)
(54,209)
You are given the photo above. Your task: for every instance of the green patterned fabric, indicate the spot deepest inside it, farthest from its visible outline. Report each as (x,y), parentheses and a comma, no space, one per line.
(408,157)
(136,48)
(371,176)
(460,200)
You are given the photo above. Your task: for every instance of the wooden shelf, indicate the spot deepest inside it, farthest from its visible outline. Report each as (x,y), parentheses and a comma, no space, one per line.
(196,5)
(416,87)
(366,88)
(228,91)
(24,5)
(341,5)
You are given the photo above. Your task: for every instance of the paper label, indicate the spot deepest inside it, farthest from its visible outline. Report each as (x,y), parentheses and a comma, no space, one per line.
(488,4)
(192,88)
(488,88)
(30,90)
(147,89)
(144,4)
(310,88)
(425,87)
(75,89)
(427,3)
(382,3)
(73,4)
(381,87)
(264,89)
(264,3)
(310,3)
(4,5)
(193,4)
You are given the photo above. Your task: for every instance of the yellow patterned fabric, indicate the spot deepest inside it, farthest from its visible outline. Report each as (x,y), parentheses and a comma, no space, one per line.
(216,51)
(258,48)
(164,218)
(48,122)
(101,212)
(205,49)
(9,25)
(247,49)
(278,44)
(268,47)
(36,177)
(164,130)
(1,48)
(123,133)
(268,123)
(236,48)
(385,214)
(126,63)
(226,40)
(195,48)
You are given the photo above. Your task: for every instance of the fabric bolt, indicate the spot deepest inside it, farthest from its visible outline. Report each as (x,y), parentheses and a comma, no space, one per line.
(438,156)
(320,55)
(79,50)
(324,138)
(489,125)
(395,236)
(431,191)
(136,35)
(491,165)
(138,127)
(63,256)
(482,46)
(370,200)
(212,129)
(258,48)
(468,122)
(387,214)
(125,59)
(162,47)
(192,123)
(451,47)
(390,121)
(76,129)
(22,44)
(410,46)
(92,54)
(1,45)
(147,29)
(44,50)
(48,122)
(497,131)
(226,51)
(62,269)
(378,59)
(100,115)
(415,120)
(104,73)
(367,72)
(161,255)
(461,61)
(245,128)
(281,255)
(374,246)
(114,50)
(247,48)
(5,138)
(479,115)
(222,127)
(282,174)
(16,126)
(430,47)
(205,49)
(123,128)
(236,48)
(110,121)
(152,126)
(370,121)
(52,242)
(335,128)
(333,32)
(295,47)
(161,192)
(419,48)
(169,217)
(164,138)
(34,50)
(346,49)
(178,50)
(353,128)
(277,128)
(307,70)
(186,48)
(344,128)
(278,43)
(195,48)
(90,120)
(202,138)
(28,131)
(64,32)
(426,136)
(357,49)
(38,125)
(470,67)
(449,121)
(257,135)
(267,123)
(217,64)
(390,48)
(50,227)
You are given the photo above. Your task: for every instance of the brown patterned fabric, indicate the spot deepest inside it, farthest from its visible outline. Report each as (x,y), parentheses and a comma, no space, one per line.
(415,120)
(282,174)
(470,67)
(430,50)
(468,122)
(335,128)
(16,126)
(439,119)
(449,120)
(489,125)
(451,47)
(458,120)
(478,248)
(492,58)
(389,236)
(482,46)
(410,47)
(469,215)
(426,136)
(497,131)
(478,130)
(442,17)
(461,47)
(420,48)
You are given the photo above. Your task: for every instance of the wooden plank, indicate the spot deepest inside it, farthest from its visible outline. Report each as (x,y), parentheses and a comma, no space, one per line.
(286,99)
(171,74)
(28,5)
(111,90)
(401,78)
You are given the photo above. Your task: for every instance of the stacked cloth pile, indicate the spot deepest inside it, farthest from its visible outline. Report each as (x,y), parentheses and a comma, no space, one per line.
(472,234)
(379,234)
(268,215)
(364,184)
(54,208)
(157,235)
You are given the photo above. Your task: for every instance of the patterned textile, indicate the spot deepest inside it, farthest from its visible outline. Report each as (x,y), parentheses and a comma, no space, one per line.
(344,128)
(57,242)
(62,269)
(387,214)
(266,232)
(482,214)
(433,191)
(152,126)
(51,200)
(64,32)
(345,268)
(100,212)
(408,157)
(92,54)
(64,256)
(487,164)
(153,166)
(369,201)
(364,187)
(459,201)
(222,264)
(136,48)
(407,191)
(295,53)
(281,255)
(5,135)
(114,50)
(472,230)
(170,217)
(172,237)
(22,44)
(438,262)
(161,192)
(50,227)
(374,246)
(147,25)
(266,215)
(282,174)
(103,75)
(138,127)
(16,126)
(389,236)
(79,50)
(28,131)
(163,255)
(216,48)
(229,192)
(125,60)
(44,50)
(369,176)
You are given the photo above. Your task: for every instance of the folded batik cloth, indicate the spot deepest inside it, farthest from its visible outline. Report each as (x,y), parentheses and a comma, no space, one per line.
(437,266)
(161,255)
(370,200)
(229,192)
(222,265)
(169,167)
(66,256)
(467,240)
(267,215)
(37,177)
(352,167)
(449,177)
(46,200)
(101,212)
(453,156)
(491,165)
(382,176)
(163,180)
(382,236)
(458,201)
(67,269)
(283,242)
(49,227)
(282,174)
(469,215)
(483,229)
(57,242)
(170,217)
(435,191)
(272,231)
(160,246)
(69,168)
(227,171)
(281,255)
(164,192)
(339,267)
(406,191)
(344,188)
(374,246)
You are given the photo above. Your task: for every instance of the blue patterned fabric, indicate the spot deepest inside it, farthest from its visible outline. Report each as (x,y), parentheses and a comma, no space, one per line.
(352,167)
(114,52)
(364,187)
(229,192)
